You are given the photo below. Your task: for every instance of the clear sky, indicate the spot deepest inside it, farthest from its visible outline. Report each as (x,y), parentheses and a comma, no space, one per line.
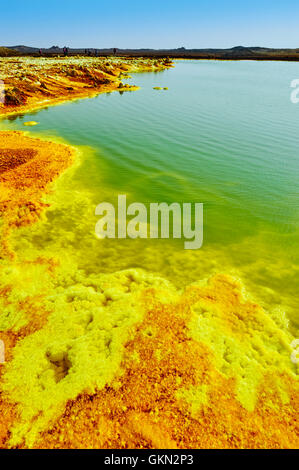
(152,24)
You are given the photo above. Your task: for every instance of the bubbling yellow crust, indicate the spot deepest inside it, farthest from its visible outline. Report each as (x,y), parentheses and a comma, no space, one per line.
(147,374)
(172,392)
(127,360)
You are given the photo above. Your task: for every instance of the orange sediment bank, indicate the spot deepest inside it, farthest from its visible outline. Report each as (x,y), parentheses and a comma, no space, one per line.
(27,167)
(33,83)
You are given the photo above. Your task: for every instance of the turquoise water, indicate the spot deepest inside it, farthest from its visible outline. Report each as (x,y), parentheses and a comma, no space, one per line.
(225,134)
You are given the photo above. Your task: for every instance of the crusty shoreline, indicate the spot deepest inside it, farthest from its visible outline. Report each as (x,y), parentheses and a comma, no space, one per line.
(27,167)
(34,83)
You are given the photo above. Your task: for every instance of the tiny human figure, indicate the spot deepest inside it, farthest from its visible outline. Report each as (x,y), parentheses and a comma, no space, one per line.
(114,51)
(40,52)
(95,52)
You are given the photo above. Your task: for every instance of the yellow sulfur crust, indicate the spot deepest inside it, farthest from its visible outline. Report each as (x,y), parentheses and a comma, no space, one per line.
(126,360)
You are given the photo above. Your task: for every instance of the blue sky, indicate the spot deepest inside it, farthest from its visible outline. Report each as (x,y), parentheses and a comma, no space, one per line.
(156,24)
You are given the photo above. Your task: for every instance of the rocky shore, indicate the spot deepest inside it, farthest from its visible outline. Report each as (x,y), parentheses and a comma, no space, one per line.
(29,83)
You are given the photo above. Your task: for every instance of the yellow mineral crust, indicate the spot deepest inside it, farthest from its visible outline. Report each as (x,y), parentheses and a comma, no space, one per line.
(173,393)
(30,123)
(132,363)
(27,167)
(126,360)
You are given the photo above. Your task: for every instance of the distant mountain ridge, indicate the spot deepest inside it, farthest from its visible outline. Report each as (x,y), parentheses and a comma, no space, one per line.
(234,53)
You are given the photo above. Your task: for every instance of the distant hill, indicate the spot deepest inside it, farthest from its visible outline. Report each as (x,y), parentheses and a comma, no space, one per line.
(234,53)
(6,52)
(24,49)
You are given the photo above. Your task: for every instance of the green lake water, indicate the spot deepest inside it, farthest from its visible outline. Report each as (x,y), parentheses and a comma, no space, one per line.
(224,134)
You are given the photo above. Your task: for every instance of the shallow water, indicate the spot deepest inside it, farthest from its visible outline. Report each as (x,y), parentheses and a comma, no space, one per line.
(225,134)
